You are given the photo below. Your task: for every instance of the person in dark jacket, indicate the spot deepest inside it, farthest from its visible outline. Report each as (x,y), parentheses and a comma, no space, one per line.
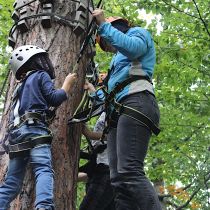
(128,141)
(99,192)
(28,132)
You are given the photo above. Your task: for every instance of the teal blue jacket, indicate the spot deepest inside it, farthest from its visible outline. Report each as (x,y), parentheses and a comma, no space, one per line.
(135,56)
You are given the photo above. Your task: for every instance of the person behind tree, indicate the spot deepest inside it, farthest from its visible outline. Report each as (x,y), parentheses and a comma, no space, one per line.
(99,192)
(128,140)
(28,133)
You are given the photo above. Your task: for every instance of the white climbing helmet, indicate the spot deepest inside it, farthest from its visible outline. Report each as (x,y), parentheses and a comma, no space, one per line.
(21,55)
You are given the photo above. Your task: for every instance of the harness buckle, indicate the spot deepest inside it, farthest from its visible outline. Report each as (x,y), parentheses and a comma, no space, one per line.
(111,96)
(30,121)
(16,121)
(14,148)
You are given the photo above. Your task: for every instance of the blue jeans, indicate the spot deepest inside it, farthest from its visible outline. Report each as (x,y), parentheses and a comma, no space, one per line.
(41,162)
(127,149)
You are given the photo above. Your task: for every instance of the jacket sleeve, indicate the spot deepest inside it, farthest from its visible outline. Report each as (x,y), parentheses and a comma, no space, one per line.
(52,96)
(133,45)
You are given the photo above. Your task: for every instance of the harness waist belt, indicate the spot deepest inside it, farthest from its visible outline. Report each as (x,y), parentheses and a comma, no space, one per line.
(123,84)
(27,145)
(137,115)
(30,116)
(130,112)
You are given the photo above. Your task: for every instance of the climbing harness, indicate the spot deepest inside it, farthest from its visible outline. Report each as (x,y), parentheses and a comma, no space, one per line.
(89,106)
(86,114)
(31,143)
(126,110)
(29,118)
(92,73)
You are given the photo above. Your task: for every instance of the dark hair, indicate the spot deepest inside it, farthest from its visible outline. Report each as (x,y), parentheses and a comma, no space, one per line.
(39,61)
(103,44)
(121,25)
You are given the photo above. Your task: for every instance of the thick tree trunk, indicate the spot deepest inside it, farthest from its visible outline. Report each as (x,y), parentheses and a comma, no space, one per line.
(63,47)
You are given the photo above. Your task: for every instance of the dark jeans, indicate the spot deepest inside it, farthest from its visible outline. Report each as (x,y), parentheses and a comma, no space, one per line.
(127,148)
(99,192)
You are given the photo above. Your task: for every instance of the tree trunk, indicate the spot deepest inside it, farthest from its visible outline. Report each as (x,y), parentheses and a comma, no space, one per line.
(63,47)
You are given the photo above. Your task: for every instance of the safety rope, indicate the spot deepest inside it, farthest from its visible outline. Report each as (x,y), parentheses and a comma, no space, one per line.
(90,31)
(92,27)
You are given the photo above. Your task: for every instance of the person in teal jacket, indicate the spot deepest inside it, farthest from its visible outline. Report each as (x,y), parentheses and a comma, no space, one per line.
(128,138)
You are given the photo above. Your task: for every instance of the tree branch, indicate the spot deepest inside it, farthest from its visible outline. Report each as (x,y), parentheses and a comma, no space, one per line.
(171,5)
(170,203)
(190,66)
(166,201)
(188,186)
(175,61)
(206,179)
(184,35)
(162,196)
(188,201)
(204,23)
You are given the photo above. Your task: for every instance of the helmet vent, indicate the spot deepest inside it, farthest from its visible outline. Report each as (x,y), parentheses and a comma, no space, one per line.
(20,58)
(21,55)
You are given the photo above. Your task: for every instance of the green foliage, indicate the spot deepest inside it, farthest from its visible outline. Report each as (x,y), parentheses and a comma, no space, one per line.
(180,152)
(5,24)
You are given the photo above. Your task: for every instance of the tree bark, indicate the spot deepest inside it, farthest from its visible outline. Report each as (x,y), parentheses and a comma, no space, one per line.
(63,47)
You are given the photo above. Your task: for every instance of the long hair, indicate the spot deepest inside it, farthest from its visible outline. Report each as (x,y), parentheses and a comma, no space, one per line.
(121,25)
(37,62)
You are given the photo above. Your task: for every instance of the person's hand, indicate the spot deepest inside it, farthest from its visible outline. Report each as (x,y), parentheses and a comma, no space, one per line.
(69,82)
(99,15)
(70,79)
(90,87)
(85,130)
(82,177)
